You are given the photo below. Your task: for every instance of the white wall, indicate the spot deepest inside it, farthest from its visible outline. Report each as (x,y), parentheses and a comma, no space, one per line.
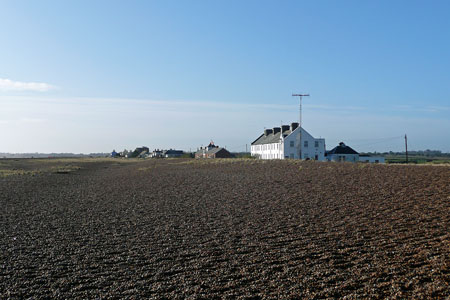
(267,151)
(343,157)
(304,145)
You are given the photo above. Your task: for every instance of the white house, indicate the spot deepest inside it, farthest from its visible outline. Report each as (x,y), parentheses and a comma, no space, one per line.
(342,152)
(288,142)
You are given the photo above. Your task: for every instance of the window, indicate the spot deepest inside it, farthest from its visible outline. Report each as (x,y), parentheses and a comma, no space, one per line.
(316,144)
(305,144)
(291,143)
(291,155)
(316,157)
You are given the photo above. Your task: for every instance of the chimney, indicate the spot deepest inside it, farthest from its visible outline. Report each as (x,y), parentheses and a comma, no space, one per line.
(276,130)
(294,126)
(267,132)
(284,128)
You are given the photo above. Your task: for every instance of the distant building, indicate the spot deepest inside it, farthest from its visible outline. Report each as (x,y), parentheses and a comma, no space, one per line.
(342,153)
(172,153)
(124,153)
(143,154)
(286,142)
(139,152)
(213,151)
(166,153)
(157,153)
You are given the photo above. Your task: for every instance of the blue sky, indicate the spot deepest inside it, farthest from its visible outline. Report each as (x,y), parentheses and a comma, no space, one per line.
(88,76)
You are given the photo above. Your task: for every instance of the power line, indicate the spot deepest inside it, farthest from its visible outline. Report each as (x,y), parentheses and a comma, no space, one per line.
(377,139)
(380,141)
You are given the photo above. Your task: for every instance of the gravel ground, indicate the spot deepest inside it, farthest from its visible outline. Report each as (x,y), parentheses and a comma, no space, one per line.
(184,229)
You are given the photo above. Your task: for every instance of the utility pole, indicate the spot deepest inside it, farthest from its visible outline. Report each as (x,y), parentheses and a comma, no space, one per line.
(301,97)
(406,148)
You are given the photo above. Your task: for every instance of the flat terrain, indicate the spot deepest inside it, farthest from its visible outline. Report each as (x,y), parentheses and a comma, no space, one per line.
(176,229)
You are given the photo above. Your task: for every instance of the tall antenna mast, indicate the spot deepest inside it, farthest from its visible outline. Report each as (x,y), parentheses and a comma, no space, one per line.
(406,148)
(300,113)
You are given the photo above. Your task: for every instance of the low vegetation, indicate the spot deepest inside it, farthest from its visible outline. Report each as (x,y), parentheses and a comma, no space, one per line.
(417,159)
(7,172)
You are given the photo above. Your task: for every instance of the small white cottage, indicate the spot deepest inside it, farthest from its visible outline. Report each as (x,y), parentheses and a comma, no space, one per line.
(341,153)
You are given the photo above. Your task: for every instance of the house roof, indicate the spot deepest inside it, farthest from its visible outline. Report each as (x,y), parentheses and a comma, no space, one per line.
(211,151)
(143,153)
(270,138)
(215,150)
(342,149)
(171,151)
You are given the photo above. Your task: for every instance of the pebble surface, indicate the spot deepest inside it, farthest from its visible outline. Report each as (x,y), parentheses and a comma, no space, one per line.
(237,229)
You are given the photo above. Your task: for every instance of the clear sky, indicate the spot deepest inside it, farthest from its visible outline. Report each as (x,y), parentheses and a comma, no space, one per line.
(92,76)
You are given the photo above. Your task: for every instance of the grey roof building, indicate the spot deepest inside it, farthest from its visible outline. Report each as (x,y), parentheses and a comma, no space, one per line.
(172,153)
(288,142)
(213,151)
(342,149)
(342,152)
